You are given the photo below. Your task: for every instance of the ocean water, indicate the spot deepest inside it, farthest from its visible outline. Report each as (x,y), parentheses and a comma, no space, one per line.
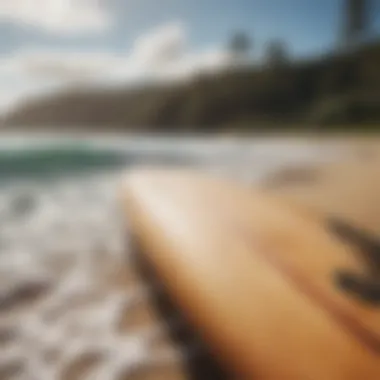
(62,234)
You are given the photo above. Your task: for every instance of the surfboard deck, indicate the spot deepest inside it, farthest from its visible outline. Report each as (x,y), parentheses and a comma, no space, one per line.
(254,275)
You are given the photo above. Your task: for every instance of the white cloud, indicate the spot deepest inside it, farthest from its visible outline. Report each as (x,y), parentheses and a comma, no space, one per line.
(159,55)
(58,64)
(58,16)
(210,61)
(162,45)
(162,52)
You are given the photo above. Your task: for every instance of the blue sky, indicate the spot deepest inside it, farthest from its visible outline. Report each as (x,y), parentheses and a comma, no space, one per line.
(307,25)
(68,39)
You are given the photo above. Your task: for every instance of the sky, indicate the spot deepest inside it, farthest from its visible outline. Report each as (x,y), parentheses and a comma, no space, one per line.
(47,44)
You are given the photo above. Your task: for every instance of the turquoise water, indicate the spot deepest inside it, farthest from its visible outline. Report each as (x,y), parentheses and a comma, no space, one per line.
(62,159)
(56,162)
(50,184)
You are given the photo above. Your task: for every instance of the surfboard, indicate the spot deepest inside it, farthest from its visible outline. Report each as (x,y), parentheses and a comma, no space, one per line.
(254,275)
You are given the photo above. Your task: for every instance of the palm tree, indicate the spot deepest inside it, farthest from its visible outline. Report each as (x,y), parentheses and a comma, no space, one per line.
(276,54)
(355,21)
(240,45)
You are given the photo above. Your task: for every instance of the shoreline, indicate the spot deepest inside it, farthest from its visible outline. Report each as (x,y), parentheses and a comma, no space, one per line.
(322,186)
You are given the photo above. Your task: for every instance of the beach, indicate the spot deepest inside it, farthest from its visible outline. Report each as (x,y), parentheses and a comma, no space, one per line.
(71,307)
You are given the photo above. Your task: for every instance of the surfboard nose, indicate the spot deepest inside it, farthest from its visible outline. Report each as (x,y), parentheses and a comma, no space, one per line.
(148,177)
(158,186)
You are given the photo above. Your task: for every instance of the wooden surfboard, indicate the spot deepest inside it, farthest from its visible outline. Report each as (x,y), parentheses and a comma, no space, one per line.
(255,277)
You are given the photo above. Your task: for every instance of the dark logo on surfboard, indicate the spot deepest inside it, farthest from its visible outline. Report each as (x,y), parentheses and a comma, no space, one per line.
(362,285)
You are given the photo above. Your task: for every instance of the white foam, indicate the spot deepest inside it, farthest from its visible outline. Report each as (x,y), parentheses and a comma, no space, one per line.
(66,243)
(69,239)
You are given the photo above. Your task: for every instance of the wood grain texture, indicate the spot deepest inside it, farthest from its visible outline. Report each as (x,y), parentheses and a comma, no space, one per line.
(254,275)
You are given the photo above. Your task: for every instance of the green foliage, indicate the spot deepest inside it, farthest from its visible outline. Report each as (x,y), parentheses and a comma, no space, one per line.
(276,54)
(347,110)
(335,89)
(240,44)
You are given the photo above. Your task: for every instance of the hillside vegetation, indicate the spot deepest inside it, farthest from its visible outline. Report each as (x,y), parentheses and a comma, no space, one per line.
(334,90)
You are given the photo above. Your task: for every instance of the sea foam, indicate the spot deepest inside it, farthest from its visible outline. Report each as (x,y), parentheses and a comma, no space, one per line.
(62,249)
